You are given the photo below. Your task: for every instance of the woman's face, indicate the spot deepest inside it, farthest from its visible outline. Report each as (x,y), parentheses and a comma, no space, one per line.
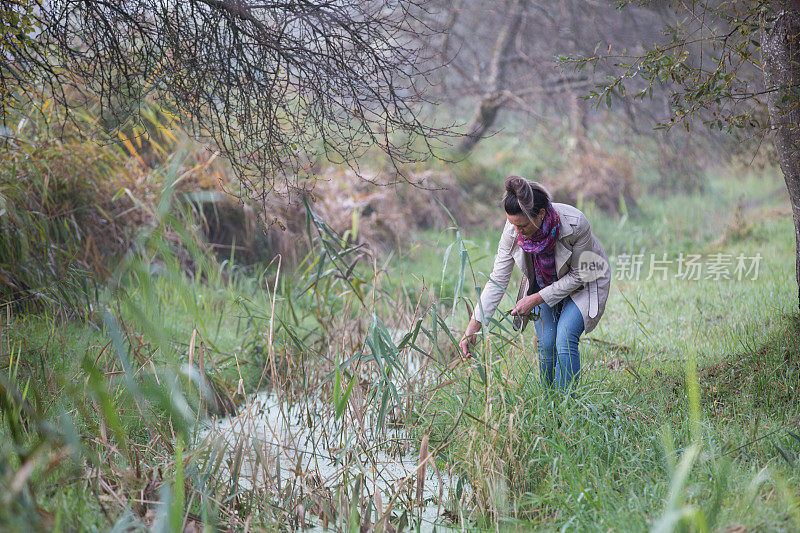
(526,226)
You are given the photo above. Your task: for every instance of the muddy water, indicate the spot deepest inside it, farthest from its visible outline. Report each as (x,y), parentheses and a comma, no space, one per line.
(272,444)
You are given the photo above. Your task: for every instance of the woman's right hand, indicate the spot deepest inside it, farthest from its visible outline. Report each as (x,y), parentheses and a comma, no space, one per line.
(469,339)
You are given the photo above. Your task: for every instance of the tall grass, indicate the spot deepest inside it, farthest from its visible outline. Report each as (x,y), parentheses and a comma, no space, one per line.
(93,400)
(686,416)
(620,452)
(106,433)
(54,201)
(111,416)
(110,404)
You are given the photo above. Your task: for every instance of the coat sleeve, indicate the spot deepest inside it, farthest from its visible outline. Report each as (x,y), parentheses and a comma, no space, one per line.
(498,280)
(574,278)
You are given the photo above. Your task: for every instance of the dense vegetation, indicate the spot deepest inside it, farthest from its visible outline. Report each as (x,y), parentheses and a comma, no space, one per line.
(184,349)
(122,329)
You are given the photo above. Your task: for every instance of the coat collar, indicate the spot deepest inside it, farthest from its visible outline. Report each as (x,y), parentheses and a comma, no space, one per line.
(567,221)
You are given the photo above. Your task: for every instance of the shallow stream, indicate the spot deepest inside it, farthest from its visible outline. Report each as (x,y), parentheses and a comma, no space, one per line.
(301,447)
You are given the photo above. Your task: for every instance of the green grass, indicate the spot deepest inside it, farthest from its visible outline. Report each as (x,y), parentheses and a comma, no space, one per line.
(609,457)
(688,395)
(113,394)
(605,458)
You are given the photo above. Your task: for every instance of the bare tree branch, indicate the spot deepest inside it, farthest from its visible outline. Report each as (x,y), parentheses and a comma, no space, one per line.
(274,84)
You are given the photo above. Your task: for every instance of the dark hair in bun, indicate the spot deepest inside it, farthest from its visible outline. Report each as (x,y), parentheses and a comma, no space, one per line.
(523,196)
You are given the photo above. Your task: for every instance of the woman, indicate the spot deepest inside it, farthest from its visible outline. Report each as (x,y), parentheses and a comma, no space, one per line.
(566,275)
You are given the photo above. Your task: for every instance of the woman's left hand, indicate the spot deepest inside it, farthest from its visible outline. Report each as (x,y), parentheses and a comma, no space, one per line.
(526,304)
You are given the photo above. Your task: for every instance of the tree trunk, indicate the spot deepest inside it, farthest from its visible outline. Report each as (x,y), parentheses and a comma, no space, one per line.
(492,99)
(480,123)
(780,50)
(578,120)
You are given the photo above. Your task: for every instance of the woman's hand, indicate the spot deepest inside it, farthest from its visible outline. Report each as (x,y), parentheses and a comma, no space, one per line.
(469,338)
(526,304)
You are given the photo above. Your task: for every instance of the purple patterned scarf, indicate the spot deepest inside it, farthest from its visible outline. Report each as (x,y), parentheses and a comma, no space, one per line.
(541,246)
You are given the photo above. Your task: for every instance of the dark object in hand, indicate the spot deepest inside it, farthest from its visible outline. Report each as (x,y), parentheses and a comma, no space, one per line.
(533,315)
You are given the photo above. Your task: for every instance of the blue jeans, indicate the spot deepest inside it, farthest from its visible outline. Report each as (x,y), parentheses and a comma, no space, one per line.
(557,333)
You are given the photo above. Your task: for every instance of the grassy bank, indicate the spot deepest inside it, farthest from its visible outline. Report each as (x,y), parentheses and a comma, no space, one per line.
(687,412)
(103,409)
(687,409)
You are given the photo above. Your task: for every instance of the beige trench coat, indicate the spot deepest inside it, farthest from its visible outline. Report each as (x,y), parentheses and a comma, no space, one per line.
(582,269)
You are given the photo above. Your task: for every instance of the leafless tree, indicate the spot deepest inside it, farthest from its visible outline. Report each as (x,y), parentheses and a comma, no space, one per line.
(506,56)
(271,83)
